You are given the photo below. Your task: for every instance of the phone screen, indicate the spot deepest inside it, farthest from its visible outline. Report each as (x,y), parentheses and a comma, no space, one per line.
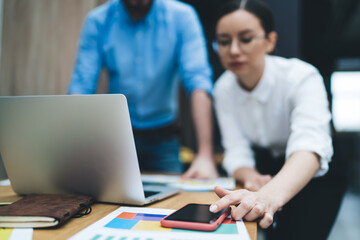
(195,213)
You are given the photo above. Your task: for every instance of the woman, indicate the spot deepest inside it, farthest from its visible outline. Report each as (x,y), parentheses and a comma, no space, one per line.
(275,125)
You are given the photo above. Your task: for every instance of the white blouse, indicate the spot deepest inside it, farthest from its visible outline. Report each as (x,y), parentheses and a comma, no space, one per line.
(286,112)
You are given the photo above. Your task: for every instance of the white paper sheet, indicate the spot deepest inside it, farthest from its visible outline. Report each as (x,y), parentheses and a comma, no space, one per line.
(190,184)
(144,224)
(5,182)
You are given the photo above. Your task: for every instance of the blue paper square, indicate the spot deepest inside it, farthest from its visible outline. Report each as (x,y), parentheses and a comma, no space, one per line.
(122,223)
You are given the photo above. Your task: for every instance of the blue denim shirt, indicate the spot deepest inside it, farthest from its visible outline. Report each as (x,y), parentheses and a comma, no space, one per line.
(145,59)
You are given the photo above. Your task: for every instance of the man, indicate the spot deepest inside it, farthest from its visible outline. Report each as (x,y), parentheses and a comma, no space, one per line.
(146,47)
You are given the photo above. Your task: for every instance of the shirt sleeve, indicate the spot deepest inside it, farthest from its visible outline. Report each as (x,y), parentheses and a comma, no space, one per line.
(310,120)
(238,152)
(88,63)
(194,68)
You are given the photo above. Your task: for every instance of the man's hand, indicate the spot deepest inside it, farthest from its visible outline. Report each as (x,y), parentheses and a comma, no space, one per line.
(202,167)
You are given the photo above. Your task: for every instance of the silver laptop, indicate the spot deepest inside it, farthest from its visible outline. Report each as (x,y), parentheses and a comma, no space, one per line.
(73,144)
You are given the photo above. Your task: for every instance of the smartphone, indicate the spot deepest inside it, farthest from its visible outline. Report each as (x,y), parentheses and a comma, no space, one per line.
(195,217)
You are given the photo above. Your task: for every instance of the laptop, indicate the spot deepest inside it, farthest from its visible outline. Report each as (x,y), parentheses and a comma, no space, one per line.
(80,144)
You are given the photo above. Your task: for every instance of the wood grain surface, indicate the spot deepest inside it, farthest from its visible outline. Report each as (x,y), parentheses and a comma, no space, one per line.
(100,210)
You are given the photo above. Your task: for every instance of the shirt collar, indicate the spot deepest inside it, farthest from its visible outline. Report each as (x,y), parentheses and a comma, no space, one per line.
(262,91)
(148,19)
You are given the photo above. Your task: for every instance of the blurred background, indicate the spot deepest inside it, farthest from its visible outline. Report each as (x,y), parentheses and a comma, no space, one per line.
(38,44)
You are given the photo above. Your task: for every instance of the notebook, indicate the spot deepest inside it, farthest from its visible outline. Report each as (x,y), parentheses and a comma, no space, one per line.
(81,144)
(44,210)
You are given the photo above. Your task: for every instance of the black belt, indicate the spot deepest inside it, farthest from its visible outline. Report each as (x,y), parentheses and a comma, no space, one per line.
(266,163)
(172,128)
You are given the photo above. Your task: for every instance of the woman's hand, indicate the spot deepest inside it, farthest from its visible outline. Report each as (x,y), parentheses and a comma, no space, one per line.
(255,182)
(251,179)
(249,205)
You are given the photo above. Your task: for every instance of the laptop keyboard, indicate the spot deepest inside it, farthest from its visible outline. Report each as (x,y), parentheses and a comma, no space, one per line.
(150,193)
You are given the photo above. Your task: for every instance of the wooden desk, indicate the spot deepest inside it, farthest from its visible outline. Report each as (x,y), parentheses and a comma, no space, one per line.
(74,225)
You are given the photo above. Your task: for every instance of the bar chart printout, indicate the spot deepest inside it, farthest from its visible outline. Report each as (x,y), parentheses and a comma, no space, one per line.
(127,223)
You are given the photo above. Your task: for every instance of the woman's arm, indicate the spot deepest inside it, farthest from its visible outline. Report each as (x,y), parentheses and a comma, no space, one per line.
(237,146)
(293,176)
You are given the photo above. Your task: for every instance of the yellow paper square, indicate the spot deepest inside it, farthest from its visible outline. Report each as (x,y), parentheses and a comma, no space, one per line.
(5,233)
(149,226)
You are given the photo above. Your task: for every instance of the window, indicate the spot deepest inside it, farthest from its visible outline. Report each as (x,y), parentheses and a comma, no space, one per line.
(345,89)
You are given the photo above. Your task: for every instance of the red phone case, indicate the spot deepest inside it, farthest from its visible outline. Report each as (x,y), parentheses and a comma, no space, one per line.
(194,225)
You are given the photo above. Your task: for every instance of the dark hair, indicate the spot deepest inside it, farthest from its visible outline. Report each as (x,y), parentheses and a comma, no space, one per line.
(256,7)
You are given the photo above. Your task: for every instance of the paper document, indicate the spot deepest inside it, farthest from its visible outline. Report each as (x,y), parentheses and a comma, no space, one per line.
(144,224)
(5,182)
(190,184)
(16,233)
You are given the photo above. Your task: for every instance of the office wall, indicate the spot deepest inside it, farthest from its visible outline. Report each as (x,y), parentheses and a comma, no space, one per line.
(39,44)
(1,18)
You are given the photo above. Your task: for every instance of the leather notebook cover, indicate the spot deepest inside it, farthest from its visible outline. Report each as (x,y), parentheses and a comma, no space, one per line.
(43,210)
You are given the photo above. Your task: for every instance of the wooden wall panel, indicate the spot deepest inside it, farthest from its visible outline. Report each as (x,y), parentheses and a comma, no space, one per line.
(39,44)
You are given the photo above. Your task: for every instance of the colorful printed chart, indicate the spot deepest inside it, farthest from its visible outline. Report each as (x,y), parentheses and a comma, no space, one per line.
(151,222)
(128,223)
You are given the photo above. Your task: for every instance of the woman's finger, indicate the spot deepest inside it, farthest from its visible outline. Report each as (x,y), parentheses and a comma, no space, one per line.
(256,212)
(230,198)
(244,208)
(266,221)
(221,192)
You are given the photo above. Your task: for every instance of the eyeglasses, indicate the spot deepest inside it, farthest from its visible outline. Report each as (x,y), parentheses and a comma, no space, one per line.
(245,44)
